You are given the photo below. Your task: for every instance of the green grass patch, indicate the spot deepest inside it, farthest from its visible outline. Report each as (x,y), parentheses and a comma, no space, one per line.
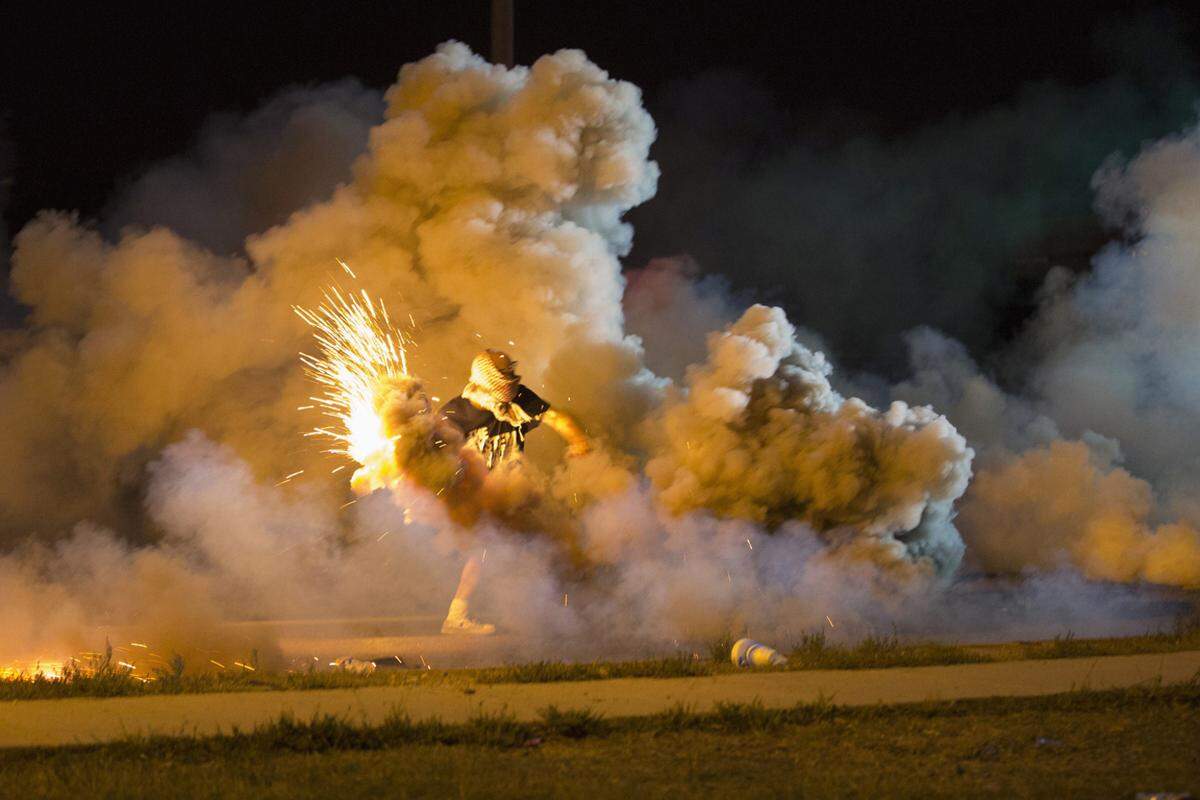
(1110,744)
(816,652)
(330,732)
(1069,646)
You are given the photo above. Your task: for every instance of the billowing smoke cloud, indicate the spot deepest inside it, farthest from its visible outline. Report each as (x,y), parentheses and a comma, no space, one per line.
(1119,345)
(762,436)
(152,441)
(1042,500)
(1066,505)
(1115,354)
(488,204)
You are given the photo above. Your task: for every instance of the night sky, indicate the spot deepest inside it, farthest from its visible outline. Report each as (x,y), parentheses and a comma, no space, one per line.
(91,94)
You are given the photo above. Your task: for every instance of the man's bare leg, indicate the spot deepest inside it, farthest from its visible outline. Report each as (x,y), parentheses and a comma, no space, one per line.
(469,579)
(457,620)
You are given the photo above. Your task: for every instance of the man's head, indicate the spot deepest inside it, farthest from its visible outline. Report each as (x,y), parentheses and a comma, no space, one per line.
(497,373)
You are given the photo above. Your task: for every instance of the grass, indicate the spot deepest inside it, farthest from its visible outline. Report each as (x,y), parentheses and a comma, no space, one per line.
(1068,646)
(109,680)
(814,651)
(1111,744)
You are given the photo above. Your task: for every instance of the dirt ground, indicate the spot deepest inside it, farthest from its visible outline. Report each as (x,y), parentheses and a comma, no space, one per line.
(87,720)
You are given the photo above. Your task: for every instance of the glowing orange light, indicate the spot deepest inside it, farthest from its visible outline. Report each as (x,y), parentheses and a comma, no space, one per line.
(359,350)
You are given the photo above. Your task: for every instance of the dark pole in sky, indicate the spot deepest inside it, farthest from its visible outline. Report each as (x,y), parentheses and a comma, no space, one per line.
(502,32)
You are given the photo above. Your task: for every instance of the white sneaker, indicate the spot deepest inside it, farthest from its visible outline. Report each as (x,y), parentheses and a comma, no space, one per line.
(467,625)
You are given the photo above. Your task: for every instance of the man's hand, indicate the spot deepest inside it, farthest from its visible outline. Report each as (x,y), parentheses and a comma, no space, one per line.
(579,448)
(561,423)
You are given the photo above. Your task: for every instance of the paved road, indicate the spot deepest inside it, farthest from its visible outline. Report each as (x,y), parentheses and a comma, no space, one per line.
(85,720)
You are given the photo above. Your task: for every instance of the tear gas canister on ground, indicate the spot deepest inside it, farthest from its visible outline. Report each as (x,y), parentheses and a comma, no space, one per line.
(749,653)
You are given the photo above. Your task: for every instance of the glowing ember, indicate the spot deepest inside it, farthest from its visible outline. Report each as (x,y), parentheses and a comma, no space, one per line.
(359,349)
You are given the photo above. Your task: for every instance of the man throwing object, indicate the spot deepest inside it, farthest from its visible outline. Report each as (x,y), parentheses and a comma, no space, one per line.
(494,413)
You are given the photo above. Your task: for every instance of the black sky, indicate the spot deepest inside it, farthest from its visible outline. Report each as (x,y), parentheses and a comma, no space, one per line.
(91,92)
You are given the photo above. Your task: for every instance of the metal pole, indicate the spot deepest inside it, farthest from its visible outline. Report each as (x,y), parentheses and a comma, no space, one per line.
(502,32)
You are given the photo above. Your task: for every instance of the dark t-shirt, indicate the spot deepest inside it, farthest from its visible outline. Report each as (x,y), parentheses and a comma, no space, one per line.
(469,419)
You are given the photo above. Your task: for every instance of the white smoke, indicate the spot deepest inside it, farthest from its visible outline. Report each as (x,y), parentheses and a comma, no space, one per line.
(1109,360)
(1119,344)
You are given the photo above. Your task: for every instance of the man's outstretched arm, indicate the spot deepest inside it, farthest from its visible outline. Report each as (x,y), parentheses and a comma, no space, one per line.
(565,426)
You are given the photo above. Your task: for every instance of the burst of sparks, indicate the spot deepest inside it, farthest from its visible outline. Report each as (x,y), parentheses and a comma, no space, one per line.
(51,670)
(92,663)
(359,347)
